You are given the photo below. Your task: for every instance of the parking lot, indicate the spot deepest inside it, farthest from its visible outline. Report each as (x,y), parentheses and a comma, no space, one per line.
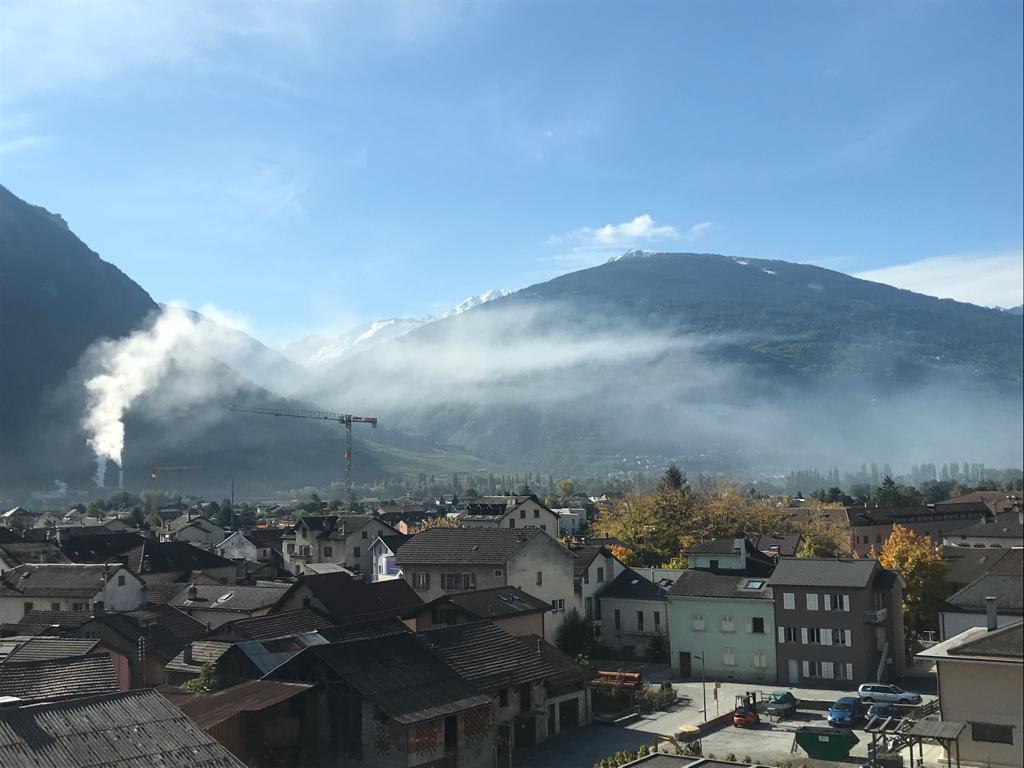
(769,743)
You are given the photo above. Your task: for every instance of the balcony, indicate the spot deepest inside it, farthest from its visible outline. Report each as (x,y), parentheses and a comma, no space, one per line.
(877,616)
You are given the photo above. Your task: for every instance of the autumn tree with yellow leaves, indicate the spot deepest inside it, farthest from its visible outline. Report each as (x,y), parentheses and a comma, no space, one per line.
(923,570)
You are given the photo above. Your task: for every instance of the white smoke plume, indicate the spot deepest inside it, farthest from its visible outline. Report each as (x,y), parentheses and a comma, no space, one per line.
(124,370)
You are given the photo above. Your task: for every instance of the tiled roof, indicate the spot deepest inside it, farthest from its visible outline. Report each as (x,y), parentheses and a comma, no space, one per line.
(172,557)
(714,547)
(721,584)
(396,674)
(56,580)
(1008,591)
(41,648)
(364,630)
(265,537)
(203,652)
(32,552)
(276,624)
(487,656)
(965,564)
(162,592)
(43,622)
(134,729)
(781,544)
(209,709)
(825,572)
(1005,526)
(165,628)
(585,555)
(631,585)
(394,541)
(346,599)
(496,602)
(268,654)
(210,597)
(1005,642)
(466,546)
(568,670)
(55,679)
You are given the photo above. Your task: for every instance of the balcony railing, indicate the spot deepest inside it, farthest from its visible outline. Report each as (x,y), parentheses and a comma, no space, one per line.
(877,616)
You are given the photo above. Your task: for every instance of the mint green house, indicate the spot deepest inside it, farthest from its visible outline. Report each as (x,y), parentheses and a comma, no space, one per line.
(721,619)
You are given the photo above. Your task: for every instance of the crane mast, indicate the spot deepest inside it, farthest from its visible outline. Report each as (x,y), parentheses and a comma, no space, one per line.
(345,419)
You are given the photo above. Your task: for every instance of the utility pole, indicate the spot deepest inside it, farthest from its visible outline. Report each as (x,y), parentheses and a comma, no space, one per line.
(345,419)
(703,684)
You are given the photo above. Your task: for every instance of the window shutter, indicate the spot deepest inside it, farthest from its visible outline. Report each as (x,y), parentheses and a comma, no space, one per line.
(849,671)
(782,634)
(812,601)
(826,670)
(848,636)
(846,602)
(828,602)
(803,636)
(750,626)
(826,636)
(807,669)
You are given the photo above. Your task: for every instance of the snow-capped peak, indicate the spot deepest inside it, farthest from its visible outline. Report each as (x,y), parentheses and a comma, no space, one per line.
(635,253)
(476,301)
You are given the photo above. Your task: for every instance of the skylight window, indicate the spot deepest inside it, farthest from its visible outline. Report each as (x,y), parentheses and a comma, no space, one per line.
(754,584)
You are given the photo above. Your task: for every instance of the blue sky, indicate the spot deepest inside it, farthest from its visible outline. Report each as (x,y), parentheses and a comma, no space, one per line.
(309,165)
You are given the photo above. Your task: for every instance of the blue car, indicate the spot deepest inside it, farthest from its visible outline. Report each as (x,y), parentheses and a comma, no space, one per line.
(846,712)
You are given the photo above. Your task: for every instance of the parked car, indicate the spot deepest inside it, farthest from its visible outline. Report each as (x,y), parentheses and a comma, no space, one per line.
(781,704)
(846,712)
(887,694)
(745,717)
(883,711)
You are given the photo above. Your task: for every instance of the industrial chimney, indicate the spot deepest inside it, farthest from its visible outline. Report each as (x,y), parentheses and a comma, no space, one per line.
(120,478)
(991,613)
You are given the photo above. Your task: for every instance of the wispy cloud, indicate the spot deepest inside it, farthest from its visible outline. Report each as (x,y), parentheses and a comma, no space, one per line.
(990,279)
(587,246)
(17,133)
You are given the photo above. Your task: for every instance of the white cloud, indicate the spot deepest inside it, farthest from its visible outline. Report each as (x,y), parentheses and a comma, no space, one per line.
(698,231)
(993,279)
(640,230)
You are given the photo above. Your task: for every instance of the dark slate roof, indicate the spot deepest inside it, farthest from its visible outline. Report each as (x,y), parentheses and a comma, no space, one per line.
(55,679)
(723,584)
(496,602)
(45,622)
(394,541)
(631,585)
(32,552)
(1005,642)
(1004,526)
(57,580)
(217,597)
(276,624)
(714,547)
(466,546)
(979,500)
(172,557)
(569,671)
(42,648)
(134,729)
(487,656)
(270,653)
(165,628)
(265,537)
(363,630)
(965,564)
(782,544)
(824,572)
(397,674)
(102,548)
(1008,591)
(346,599)
(209,709)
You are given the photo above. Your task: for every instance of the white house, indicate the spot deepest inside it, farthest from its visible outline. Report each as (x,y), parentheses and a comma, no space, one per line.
(510,512)
(634,611)
(199,531)
(383,552)
(443,561)
(571,520)
(341,539)
(594,569)
(68,587)
(238,547)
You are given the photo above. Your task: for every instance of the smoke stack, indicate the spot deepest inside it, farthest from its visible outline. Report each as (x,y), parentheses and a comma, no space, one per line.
(120,478)
(991,614)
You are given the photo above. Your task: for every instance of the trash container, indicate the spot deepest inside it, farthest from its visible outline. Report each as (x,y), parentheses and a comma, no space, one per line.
(825,743)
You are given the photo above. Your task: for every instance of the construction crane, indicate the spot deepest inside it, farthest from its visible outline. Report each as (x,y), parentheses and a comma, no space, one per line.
(153,472)
(345,419)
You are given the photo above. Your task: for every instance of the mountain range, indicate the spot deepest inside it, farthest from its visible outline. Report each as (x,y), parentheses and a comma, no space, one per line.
(728,364)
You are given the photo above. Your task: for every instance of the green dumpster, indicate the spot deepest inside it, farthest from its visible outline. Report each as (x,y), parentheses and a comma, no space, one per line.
(825,743)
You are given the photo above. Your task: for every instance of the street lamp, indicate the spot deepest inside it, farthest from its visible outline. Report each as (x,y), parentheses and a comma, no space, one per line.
(703,684)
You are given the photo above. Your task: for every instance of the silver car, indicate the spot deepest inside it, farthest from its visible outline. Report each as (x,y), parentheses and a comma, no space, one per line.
(887,694)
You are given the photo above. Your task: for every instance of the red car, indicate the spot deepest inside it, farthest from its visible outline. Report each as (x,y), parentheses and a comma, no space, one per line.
(744,717)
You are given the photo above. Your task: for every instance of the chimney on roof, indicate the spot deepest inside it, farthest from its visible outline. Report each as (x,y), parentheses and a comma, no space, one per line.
(98,608)
(193,593)
(187,653)
(991,613)
(540,646)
